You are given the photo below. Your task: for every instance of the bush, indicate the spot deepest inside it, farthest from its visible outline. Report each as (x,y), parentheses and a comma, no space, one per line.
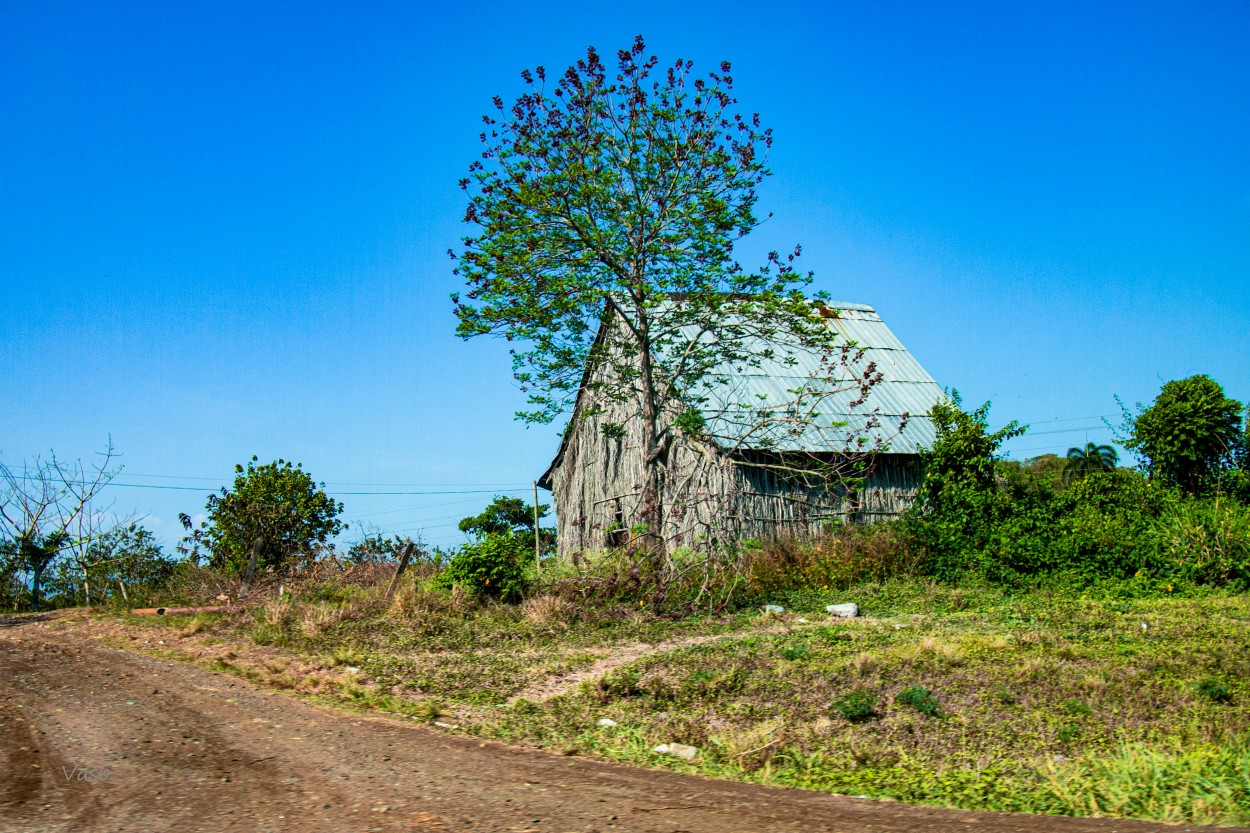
(1191,435)
(919,698)
(1206,542)
(857,707)
(491,568)
(1214,690)
(278,504)
(842,557)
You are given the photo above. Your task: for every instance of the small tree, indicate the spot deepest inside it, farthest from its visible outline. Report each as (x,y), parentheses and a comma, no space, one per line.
(1089,460)
(508,516)
(1190,436)
(126,561)
(47,509)
(964,451)
(606,208)
(276,503)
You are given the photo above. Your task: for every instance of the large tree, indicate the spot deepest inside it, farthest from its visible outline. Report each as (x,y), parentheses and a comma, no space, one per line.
(605,208)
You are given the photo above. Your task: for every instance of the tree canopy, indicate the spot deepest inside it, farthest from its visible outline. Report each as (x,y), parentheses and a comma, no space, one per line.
(277,503)
(1190,435)
(1091,459)
(617,196)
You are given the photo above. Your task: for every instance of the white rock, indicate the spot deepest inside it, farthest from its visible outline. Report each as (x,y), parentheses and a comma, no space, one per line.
(662,749)
(774,609)
(681,750)
(848,609)
(607,721)
(800,621)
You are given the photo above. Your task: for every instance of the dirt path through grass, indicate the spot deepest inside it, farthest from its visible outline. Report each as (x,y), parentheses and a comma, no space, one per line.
(619,655)
(192,750)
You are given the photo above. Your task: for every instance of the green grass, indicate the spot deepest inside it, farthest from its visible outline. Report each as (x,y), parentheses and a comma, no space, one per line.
(1071,701)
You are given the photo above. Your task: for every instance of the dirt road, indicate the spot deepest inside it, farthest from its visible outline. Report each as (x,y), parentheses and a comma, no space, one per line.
(94,738)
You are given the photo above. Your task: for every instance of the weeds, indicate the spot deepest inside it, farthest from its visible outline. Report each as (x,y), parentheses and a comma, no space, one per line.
(918,697)
(1214,690)
(780,702)
(857,706)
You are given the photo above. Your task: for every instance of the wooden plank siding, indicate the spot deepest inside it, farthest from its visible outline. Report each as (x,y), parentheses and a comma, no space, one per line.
(709,496)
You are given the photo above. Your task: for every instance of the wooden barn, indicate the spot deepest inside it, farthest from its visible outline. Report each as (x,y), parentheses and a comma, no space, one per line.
(740,482)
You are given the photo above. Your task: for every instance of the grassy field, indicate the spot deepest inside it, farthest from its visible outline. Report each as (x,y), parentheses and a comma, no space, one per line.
(1052,701)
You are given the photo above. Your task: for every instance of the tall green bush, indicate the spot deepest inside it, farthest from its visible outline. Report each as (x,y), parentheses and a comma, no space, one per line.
(490,568)
(959,505)
(276,503)
(1206,541)
(1190,436)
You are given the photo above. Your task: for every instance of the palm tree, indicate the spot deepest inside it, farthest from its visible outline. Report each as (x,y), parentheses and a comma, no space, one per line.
(1089,460)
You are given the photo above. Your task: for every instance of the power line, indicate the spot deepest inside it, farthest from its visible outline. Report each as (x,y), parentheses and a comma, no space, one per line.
(331,482)
(205,488)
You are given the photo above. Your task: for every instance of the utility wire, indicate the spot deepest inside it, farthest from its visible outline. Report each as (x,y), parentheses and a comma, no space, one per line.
(206,488)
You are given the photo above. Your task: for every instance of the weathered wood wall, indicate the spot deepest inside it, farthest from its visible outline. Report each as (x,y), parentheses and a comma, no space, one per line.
(708,497)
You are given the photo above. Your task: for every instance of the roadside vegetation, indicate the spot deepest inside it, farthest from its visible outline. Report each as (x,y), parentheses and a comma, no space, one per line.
(1060,635)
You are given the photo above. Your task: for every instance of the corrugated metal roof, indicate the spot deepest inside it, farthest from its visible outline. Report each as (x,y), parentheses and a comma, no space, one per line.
(737,413)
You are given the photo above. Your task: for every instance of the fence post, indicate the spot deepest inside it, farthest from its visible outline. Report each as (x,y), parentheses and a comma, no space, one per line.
(404,558)
(538,552)
(251,567)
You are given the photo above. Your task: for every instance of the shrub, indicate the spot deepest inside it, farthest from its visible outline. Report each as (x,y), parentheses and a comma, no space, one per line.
(1214,690)
(1190,435)
(919,698)
(841,557)
(857,707)
(490,568)
(278,504)
(1206,542)
(794,653)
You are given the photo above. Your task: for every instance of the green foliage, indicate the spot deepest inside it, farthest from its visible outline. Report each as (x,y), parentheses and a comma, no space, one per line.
(1214,690)
(605,209)
(1076,708)
(1007,522)
(1206,541)
(1199,784)
(1046,472)
(1190,436)
(510,516)
(376,548)
(794,653)
(964,452)
(277,503)
(857,706)
(490,568)
(30,555)
(1090,459)
(918,697)
(126,557)
(958,504)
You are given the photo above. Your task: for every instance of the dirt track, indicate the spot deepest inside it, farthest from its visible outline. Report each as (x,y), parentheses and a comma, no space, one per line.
(191,750)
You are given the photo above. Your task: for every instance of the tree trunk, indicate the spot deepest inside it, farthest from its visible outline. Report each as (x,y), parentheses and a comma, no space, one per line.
(35,581)
(652,509)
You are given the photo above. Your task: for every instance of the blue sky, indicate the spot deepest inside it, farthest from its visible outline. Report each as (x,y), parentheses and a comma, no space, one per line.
(223,228)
